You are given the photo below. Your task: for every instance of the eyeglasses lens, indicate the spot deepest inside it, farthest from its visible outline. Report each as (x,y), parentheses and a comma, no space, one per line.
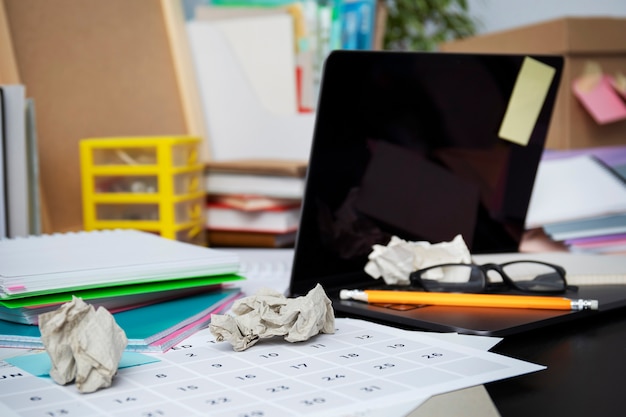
(465,278)
(535,277)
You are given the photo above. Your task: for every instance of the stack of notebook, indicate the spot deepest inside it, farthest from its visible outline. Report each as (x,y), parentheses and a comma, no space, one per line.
(137,276)
(254,202)
(579,199)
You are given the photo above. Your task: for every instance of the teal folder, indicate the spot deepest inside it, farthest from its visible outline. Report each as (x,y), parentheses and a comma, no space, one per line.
(153,328)
(116,298)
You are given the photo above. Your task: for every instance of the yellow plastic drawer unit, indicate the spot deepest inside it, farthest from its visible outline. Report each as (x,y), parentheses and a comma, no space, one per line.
(181,212)
(147,183)
(174,151)
(182,183)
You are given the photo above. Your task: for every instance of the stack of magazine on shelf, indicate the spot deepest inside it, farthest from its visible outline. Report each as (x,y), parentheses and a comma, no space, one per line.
(579,199)
(136,275)
(254,203)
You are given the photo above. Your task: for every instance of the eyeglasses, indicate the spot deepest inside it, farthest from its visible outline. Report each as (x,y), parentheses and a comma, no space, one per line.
(526,276)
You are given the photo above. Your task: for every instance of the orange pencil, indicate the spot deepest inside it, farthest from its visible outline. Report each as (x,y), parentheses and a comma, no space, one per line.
(468,300)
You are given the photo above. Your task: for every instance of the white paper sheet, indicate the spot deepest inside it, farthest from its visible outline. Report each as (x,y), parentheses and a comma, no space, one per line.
(356,371)
(240,123)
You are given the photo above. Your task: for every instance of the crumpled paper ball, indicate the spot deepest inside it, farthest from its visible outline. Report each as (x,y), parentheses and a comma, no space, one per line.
(85,345)
(269,313)
(395,262)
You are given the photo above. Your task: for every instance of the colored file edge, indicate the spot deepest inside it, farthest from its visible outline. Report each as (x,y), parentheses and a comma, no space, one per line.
(177,320)
(116,291)
(4,297)
(30,315)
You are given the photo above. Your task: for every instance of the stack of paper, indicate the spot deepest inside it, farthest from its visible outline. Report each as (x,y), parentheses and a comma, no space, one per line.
(136,275)
(37,264)
(580,199)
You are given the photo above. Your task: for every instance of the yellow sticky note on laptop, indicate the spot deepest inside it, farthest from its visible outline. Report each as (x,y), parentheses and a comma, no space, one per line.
(526,101)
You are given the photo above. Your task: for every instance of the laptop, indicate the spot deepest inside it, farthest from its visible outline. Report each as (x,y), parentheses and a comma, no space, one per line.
(408,144)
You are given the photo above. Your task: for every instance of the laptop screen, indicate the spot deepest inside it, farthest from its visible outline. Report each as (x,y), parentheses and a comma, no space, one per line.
(408,144)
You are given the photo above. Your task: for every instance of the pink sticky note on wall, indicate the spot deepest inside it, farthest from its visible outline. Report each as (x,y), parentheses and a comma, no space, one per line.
(601,100)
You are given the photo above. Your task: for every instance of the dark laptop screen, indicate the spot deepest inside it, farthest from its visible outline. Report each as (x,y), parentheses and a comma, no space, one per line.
(407,144)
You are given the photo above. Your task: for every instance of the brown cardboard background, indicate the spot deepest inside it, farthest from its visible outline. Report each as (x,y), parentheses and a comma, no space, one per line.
(579,39)
(94,68)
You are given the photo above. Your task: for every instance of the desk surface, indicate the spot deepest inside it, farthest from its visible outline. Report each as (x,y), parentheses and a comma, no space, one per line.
(586,367)
(586,363)
(584,359)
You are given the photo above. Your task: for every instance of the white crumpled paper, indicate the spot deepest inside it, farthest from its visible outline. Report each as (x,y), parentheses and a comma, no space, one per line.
(395,262)
(269,313)
(84,344)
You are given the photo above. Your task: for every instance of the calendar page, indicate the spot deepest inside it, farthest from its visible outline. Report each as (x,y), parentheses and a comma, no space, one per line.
(362,369)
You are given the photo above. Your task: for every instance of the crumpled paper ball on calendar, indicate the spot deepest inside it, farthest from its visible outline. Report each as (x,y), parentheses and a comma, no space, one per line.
(269,313)
(395,261)
(85,345)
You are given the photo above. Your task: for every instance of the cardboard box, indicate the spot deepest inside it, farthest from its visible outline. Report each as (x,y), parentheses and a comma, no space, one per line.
(579,40)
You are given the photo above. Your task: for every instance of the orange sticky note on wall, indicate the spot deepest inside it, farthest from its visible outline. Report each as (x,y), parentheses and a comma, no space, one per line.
(529,93)
(600,99)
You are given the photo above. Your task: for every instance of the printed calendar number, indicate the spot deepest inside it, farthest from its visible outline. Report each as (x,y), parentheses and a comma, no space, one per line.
(313,401)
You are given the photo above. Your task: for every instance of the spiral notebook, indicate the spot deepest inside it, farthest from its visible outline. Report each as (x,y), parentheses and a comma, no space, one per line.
(59,262)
